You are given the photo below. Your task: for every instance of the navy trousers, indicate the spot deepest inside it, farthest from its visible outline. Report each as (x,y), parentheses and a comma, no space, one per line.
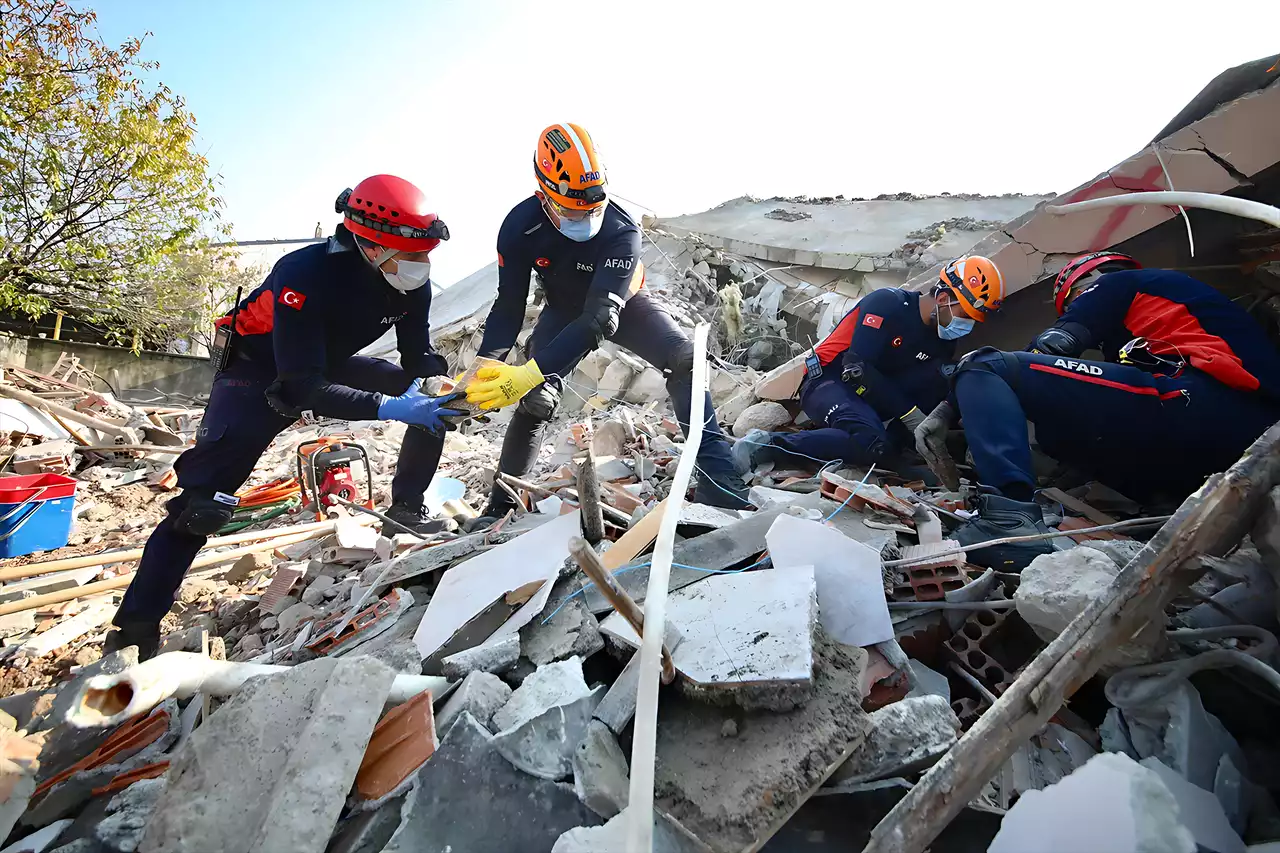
(649,332)
(1139,432)
(853,433)
(237,427)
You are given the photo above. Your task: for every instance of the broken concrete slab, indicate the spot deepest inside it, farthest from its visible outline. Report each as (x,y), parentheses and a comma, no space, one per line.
(481,694)
(554,684)
(733,793)
(494,657)
(703,515)
(612,837)
(571,630)
(1199,811)
(1057,587)
(1112,803)
(544,745)
(94,616)
(718,550)
(128,812)
(906,736)
(471,587)
(766,415)
(271,768)
(38,842)
(743,631)
(468,797)
(433,558)
(850,582)
(601,778)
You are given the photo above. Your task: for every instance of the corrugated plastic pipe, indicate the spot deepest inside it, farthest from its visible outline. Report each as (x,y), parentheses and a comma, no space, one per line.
(1209,201)
(106,700)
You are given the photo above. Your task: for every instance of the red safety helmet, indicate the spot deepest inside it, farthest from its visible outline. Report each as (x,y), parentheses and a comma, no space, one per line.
(1078,268)
(393,213)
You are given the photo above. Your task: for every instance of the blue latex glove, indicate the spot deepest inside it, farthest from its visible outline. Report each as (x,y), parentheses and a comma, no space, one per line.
(414,407)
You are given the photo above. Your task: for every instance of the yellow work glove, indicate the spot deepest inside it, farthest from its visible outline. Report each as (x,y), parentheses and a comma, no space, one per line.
(495,387)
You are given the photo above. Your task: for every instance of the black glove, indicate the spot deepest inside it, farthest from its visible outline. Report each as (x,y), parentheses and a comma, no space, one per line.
(603,315)
(541,402)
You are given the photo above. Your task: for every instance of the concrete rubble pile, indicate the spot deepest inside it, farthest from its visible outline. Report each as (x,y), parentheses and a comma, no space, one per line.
(337,685)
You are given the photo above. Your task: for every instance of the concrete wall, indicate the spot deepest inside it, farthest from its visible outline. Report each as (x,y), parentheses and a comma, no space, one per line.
(142,373)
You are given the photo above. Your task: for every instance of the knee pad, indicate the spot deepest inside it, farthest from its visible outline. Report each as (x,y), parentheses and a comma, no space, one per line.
(204,515)
(540,403)
(681,361)
(989,359)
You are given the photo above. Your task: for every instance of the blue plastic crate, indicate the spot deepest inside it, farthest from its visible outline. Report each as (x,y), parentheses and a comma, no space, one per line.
(36,511)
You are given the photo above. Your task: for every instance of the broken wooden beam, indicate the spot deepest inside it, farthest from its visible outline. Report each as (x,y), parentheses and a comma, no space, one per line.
(614,515)
(589,561)
(1211,521)
(589,499)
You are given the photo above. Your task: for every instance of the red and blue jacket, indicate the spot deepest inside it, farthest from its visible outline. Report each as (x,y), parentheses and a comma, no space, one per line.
(898,358)
(320,306)
(1182,319)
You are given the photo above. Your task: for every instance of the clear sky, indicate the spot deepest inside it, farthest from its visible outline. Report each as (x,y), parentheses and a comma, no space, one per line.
(692,102)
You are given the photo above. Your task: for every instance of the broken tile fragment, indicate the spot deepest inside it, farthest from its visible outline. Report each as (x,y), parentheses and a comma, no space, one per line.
(481,695)
(600,775)
(496,657)
(905,737)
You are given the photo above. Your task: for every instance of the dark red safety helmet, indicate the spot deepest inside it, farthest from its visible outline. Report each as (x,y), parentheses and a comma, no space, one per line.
(1077,268)
(393,213)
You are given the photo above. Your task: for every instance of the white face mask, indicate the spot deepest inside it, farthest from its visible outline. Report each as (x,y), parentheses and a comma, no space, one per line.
(409,275)
(581,230)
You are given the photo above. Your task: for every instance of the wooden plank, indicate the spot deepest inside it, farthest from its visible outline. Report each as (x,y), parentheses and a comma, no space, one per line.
(1078,506)
(1211,521)
(635,540)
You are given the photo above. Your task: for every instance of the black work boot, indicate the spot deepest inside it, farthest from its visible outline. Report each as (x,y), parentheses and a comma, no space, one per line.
(721,488)
(500,503)
(999,517)
(416,519)
(144,635)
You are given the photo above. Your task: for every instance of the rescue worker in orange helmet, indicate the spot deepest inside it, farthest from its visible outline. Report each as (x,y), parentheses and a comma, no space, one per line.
(886,362)
(584,251)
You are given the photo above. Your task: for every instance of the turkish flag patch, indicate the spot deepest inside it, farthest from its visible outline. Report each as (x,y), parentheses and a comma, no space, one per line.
(292,298)
(875,321)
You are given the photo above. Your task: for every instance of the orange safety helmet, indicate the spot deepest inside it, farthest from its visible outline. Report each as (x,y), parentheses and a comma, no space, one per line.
(568,168)
(977,284)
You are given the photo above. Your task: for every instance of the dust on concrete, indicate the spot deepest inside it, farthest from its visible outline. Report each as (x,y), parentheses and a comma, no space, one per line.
(731,792)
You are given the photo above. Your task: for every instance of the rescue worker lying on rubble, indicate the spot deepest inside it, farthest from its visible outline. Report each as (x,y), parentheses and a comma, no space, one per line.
(294,353)
(585,252)
(887,361)
(1189,381)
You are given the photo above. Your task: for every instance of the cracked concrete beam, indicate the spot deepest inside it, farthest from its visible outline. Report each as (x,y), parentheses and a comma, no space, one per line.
(1216,154)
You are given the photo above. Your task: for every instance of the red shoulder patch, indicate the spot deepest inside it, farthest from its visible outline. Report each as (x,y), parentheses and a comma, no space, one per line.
(875,321)
(543,262)
(896,342)
(292,298)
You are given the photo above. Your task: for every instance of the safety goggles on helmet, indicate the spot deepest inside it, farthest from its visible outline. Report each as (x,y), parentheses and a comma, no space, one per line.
(572,214)
(586,197)
(1139,352)
(437,230)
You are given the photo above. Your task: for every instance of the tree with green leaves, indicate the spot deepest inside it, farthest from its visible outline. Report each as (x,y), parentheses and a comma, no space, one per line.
(105,202)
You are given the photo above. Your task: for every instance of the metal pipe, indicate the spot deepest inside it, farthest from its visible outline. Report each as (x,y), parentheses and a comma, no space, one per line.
(106,700)
(1242,207)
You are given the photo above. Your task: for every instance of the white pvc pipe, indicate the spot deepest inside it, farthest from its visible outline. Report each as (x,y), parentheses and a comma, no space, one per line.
(106,700)
(645,739)
(1209,201)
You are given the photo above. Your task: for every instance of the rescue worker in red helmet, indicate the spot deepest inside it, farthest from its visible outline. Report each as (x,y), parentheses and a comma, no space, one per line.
(886,362)
(1189,380)
(585,252)
(294,353)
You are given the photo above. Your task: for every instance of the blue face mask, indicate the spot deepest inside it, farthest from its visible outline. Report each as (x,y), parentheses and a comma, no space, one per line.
(581,230)
(956,329)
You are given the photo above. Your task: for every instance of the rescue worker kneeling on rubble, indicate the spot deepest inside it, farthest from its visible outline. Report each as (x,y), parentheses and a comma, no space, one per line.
(886,361)
(294,354)
(1189,382)
(585,251)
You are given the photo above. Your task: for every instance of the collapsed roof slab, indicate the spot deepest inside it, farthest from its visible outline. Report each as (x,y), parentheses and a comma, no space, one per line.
(856,235)
(1219,153)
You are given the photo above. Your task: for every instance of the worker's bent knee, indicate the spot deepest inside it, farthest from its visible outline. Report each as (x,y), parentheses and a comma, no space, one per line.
(680,363)
(204,515)
(990,360)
